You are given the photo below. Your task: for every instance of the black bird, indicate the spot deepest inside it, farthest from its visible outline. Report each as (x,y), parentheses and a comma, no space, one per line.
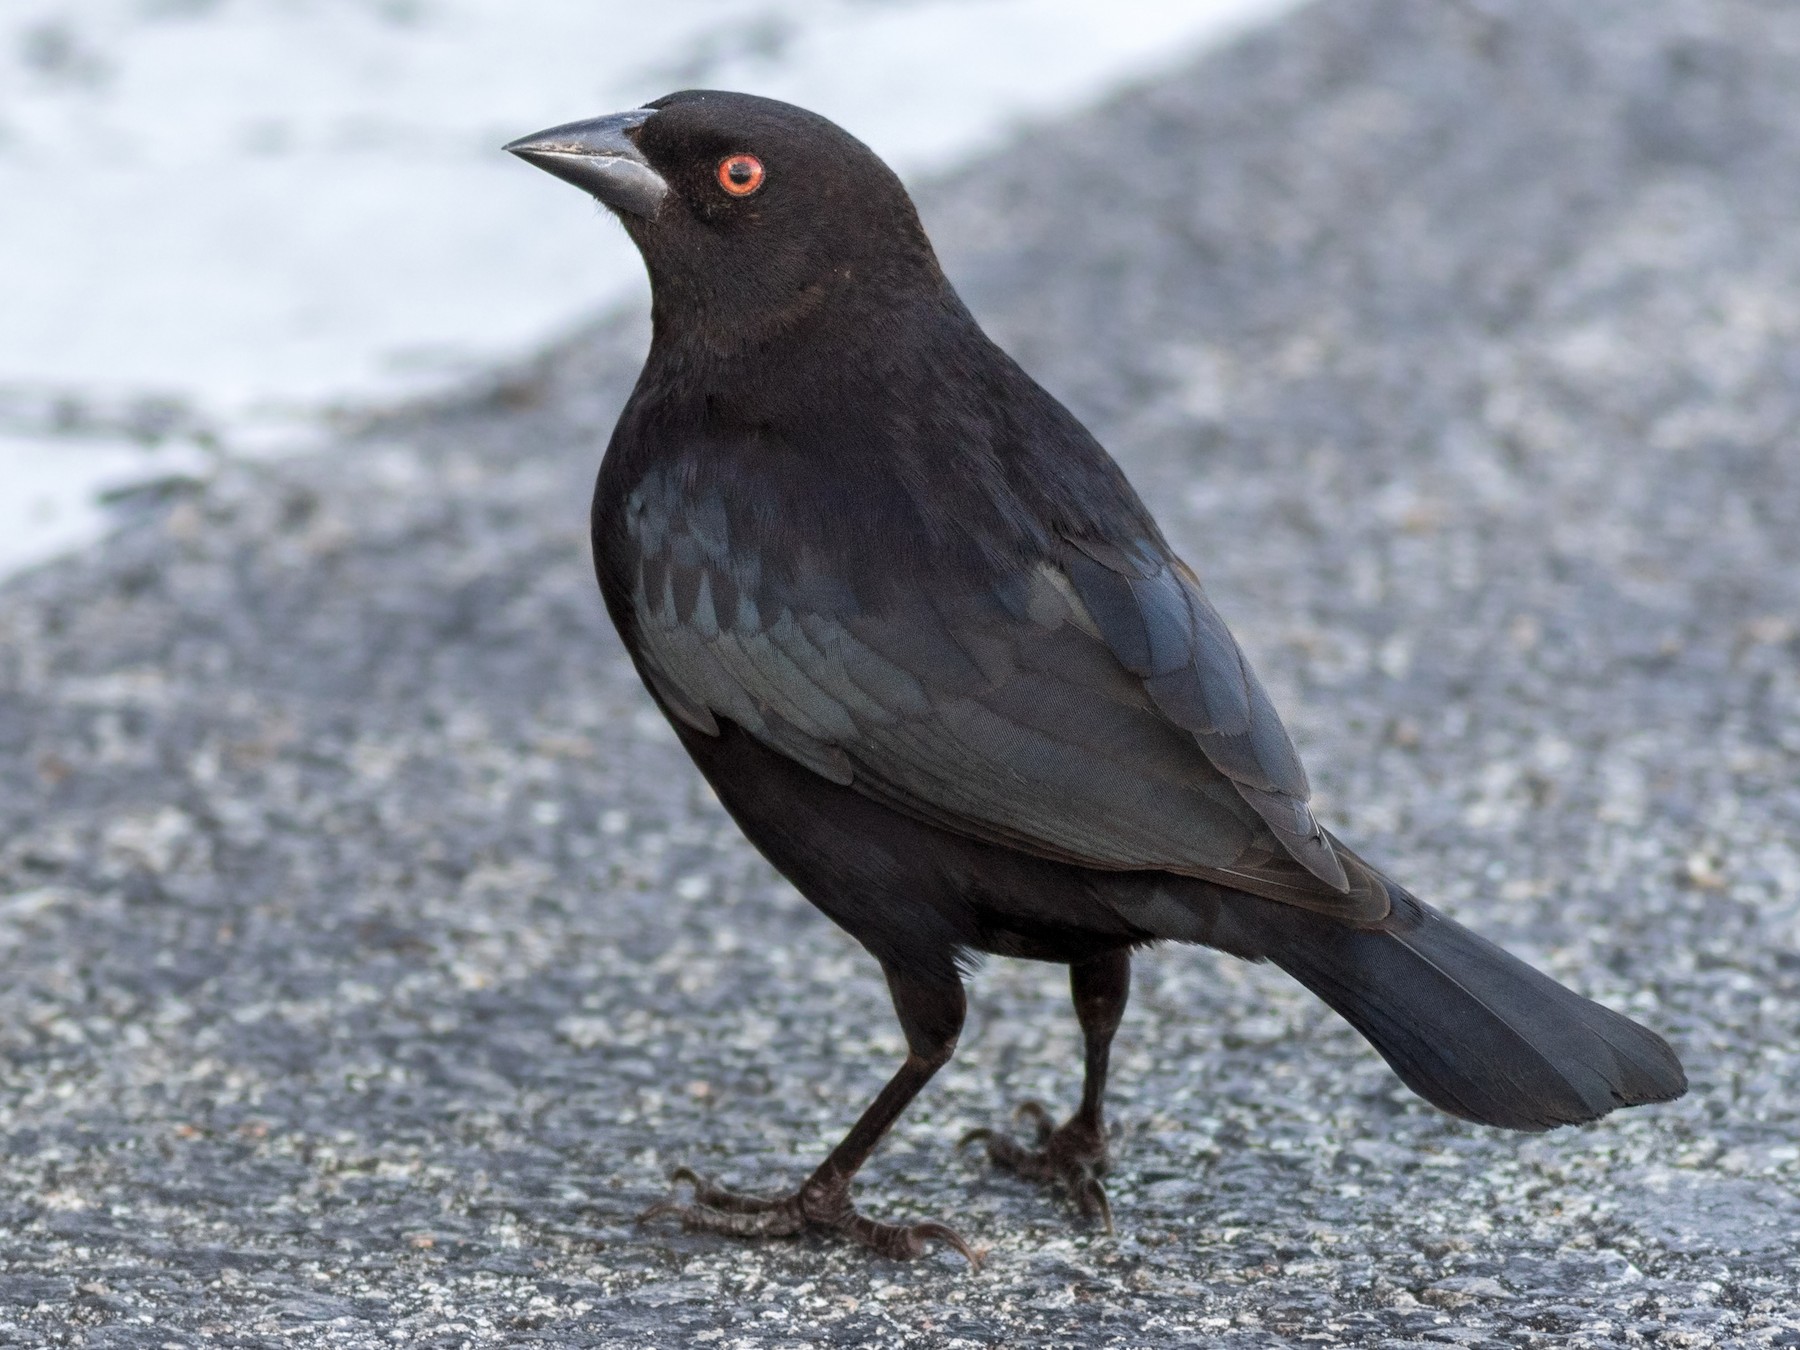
(938,662)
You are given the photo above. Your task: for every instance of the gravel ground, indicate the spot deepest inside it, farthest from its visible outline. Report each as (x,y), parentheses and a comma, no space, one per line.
(369,954)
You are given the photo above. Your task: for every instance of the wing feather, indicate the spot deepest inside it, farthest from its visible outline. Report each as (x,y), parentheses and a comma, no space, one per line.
(1091,707)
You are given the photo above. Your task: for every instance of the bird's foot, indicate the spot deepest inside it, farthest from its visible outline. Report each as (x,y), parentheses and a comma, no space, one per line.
(820,1205)
(1072,1155)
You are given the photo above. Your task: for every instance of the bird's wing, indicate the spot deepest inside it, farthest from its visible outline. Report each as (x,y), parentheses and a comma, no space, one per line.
(1091,708)
(1155,617)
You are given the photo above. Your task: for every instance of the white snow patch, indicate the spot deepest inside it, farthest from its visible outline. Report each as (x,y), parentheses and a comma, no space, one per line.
(252,209)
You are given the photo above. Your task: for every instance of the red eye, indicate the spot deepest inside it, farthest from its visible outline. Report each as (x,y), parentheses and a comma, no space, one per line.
(740,175)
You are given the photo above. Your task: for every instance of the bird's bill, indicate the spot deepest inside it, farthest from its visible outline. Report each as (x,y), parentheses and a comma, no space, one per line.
(598,157)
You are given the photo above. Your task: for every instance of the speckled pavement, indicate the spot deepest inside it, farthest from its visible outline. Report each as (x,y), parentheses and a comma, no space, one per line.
(369,954)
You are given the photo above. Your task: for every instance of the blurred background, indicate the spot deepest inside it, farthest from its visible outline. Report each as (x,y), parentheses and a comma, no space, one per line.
(370,952)
(220,219)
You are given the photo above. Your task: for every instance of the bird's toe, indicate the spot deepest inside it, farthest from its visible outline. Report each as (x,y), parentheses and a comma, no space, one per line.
(718,1209)
(1090,1196)
(710,1195)
(1072,1156)
(905,1242)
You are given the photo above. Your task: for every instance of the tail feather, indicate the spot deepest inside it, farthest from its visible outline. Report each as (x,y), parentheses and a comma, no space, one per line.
(1470,1028)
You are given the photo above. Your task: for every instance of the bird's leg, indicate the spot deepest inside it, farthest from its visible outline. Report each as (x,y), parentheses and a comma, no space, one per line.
(1074,1154)
(931,1015)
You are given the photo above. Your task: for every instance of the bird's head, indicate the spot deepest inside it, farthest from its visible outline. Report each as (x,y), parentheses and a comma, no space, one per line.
(750,213)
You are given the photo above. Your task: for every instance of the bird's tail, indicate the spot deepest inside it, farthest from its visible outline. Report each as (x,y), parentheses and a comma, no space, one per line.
(1470,1028)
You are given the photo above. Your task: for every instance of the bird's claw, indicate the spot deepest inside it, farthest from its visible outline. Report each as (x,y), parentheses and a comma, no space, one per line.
(1039,1115)
(1072,1156)
(715,1209)
(1090,1197)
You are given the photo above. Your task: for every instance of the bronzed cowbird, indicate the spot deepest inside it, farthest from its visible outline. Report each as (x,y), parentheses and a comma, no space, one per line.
(939,663)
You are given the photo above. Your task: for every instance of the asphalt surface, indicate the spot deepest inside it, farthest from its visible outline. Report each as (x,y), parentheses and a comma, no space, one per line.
(369,954)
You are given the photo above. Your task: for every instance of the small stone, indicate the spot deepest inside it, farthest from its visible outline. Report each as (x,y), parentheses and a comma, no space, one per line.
(1459,1291)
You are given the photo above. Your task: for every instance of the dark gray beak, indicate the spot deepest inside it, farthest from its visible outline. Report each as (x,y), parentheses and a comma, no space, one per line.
(598,157)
